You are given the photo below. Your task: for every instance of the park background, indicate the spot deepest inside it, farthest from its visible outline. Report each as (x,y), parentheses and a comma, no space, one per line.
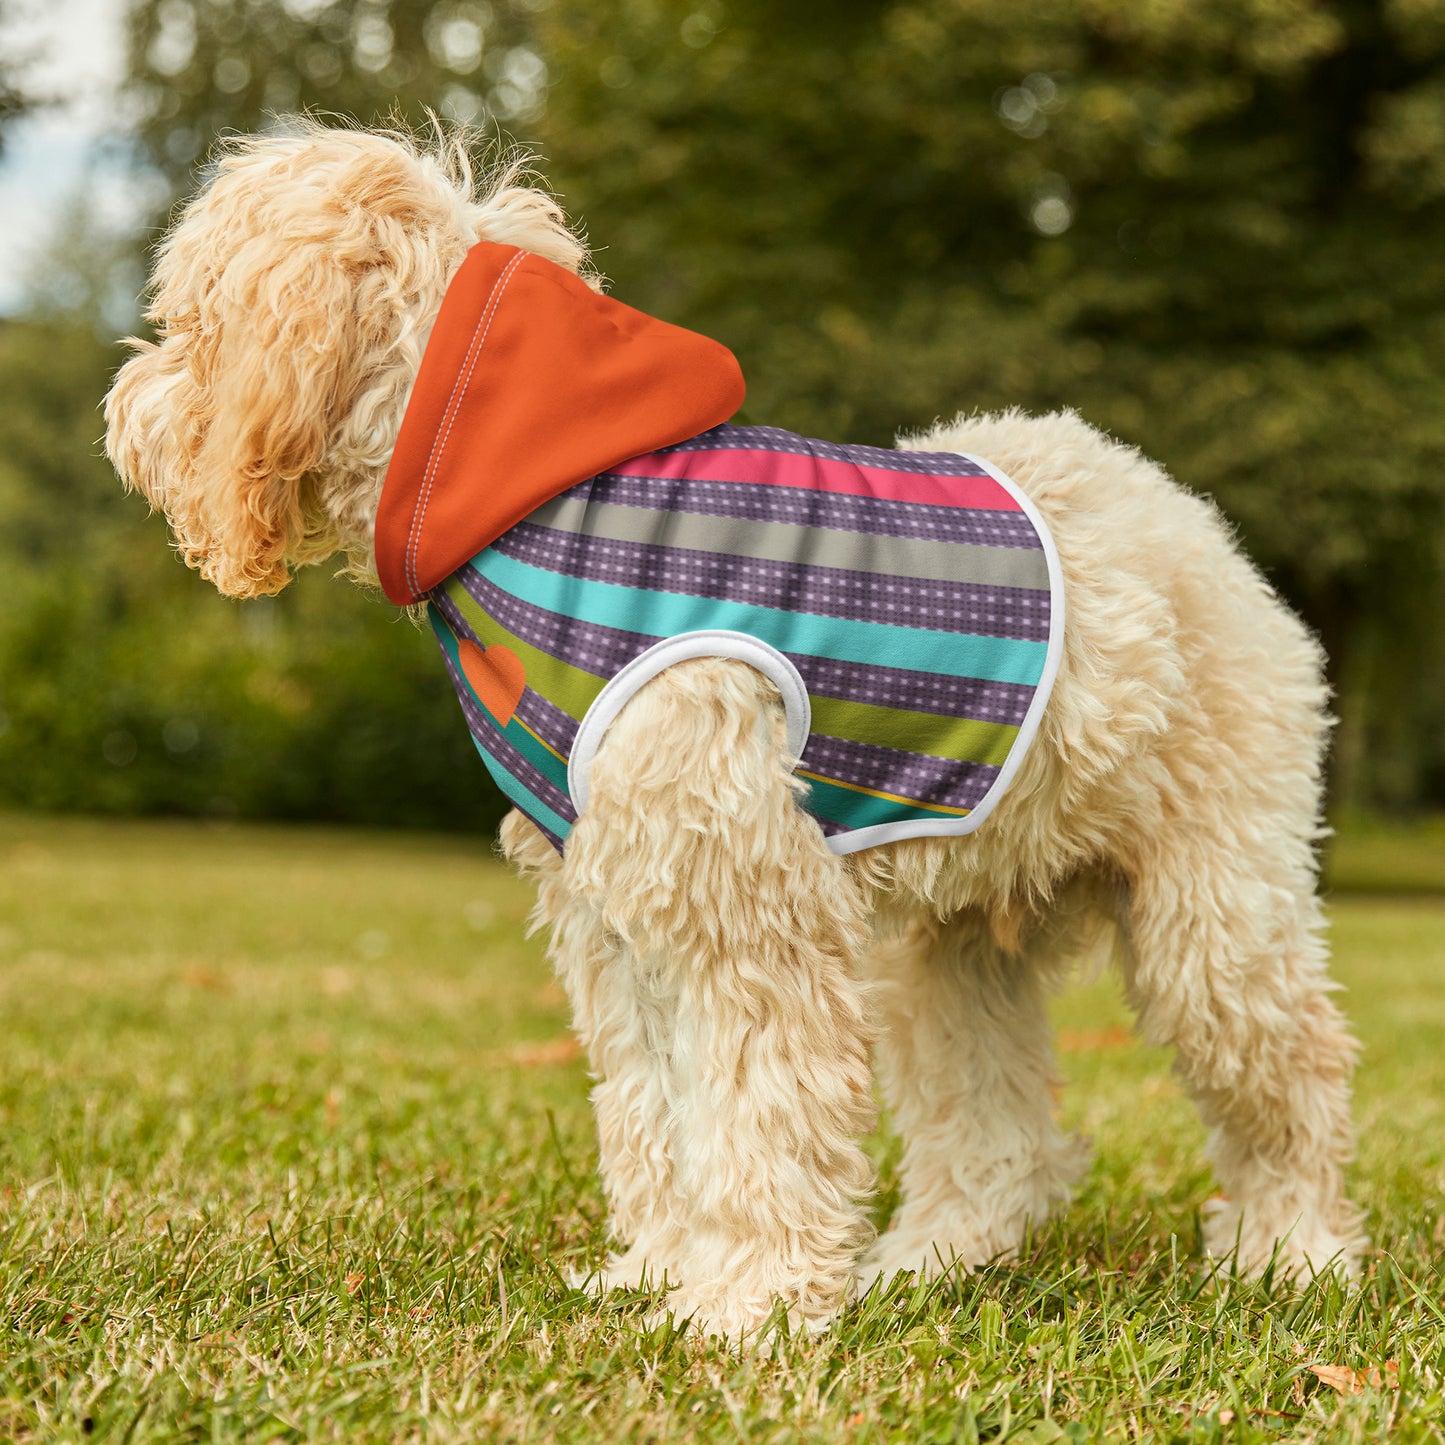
(1216,228)
(294,1140)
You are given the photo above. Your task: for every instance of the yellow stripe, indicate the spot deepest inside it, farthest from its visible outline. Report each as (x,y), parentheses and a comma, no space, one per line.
(539,738)
(887,797)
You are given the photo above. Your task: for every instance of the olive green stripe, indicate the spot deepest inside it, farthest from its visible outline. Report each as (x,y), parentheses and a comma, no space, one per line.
(962,739)
(564,686)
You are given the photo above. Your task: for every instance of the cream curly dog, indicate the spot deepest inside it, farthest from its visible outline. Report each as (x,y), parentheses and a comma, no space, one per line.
(731,974)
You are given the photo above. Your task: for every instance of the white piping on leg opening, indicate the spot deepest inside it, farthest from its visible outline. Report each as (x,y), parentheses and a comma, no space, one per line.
(1053,656)
(686,646)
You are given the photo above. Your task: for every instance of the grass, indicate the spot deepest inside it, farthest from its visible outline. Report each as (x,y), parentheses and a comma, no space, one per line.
(292,1146)
(1397,859)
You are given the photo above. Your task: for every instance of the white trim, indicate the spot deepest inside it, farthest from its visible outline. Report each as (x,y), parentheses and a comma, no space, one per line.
(711,642)
(860,838)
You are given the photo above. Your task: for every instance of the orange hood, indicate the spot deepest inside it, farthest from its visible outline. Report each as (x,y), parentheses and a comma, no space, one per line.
(531,383)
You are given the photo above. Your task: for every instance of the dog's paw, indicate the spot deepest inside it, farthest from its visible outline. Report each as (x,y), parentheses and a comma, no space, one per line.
(1299,1246)
(634,1270)
(751,1324)
(900,1252)
(964,1229)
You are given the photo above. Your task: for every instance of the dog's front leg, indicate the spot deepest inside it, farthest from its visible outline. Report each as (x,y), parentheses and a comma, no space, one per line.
(741,932)
(624,1024)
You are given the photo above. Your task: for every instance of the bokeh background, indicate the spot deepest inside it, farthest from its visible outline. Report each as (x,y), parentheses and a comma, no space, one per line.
(1214,227)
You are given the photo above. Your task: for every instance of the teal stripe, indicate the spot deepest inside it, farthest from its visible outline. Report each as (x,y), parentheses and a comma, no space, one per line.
(862,810)
(523,797)
(870,644)
(547,763)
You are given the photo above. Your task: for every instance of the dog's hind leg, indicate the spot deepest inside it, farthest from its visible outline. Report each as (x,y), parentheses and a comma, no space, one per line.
(743,933)
(966,1062)
(1226,959)
(1227,964)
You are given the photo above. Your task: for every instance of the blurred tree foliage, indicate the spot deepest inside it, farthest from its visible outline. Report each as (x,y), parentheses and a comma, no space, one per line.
(1213,226)
(201,67)
(14,99)
(127,685)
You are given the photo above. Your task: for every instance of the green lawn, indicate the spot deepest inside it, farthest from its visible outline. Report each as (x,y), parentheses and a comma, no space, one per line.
(1398,859)
(292,1146)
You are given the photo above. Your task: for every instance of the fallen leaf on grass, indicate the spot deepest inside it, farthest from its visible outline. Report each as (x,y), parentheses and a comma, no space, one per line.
(1082,1041)
(201,975)
(550,1051)
(1346,1381)
(354,1283)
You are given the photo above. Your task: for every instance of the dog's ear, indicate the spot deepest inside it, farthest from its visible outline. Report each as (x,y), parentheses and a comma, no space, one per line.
(288,300)
(224,422)
(277,356)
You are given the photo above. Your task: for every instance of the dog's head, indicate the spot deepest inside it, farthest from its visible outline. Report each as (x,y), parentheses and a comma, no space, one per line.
(292,301)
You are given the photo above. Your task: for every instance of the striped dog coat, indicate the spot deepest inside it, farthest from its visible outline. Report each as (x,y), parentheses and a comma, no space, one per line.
(906,603)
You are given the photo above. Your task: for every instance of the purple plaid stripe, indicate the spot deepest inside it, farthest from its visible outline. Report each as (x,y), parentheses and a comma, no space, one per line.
(771,439)
(547,721)
(927,780)
(950,697)
(453,614)
(1015,612)
(806,507)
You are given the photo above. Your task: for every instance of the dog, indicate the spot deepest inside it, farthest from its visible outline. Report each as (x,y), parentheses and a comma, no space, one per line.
(732,970)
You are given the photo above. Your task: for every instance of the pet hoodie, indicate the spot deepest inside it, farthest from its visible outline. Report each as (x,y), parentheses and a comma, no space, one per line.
(569,499)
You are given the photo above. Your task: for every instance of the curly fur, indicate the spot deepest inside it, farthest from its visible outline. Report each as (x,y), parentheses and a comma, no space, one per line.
(293,299)
(729,976)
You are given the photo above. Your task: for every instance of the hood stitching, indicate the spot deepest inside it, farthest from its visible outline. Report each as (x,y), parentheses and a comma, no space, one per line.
(439,442)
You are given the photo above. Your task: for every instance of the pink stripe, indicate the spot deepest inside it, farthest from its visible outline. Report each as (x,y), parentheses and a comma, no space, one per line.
(820,474)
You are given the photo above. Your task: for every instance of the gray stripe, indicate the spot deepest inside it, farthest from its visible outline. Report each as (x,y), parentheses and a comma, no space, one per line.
(809,546)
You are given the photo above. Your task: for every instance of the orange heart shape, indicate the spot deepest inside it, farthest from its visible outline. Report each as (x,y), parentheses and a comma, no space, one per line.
(496,676)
